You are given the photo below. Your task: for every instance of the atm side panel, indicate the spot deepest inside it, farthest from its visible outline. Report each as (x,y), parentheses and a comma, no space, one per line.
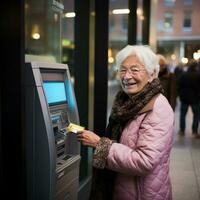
(45,149)
(40,172)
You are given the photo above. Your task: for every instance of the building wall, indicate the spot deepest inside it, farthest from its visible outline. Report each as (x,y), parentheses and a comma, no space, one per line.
(178,10)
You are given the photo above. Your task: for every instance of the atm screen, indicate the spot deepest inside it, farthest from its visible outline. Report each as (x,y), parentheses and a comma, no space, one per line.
(55,92)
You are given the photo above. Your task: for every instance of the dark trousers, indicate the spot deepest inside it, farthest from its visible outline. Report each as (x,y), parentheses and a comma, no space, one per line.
(195,122)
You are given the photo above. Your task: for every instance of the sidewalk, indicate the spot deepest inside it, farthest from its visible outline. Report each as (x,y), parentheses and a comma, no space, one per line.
(185,162)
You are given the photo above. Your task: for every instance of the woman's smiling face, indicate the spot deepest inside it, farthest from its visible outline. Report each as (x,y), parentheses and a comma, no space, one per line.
(133,75)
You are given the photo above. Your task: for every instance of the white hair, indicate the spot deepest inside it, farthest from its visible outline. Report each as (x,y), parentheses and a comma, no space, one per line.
(145,55)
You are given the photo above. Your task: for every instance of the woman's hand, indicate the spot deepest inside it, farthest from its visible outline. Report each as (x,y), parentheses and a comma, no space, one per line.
(88,138)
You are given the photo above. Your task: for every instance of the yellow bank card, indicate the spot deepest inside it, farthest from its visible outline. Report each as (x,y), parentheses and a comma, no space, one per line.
(74,128)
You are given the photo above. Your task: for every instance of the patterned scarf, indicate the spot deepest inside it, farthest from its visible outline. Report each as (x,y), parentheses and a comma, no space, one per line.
(126,108)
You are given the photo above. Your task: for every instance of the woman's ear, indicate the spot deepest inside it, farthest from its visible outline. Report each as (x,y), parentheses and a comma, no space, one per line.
(152,76)
(150,79)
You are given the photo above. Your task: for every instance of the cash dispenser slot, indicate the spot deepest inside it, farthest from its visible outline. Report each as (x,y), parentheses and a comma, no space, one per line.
(61,147)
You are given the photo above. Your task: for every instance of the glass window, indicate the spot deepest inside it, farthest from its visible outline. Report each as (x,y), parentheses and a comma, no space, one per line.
(169,2)
(168,21)
(125,23)
(140,18)
(42,29)
(187,21)
(67,35)
(187,2)
(184,40)
(160,25)
(118,36)
(111,24)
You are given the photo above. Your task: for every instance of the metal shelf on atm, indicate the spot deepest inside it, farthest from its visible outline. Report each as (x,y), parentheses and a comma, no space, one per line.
(60,142)
(62,164)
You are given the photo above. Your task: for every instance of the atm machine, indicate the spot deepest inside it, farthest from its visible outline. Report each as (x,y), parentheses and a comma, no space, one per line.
(52,153)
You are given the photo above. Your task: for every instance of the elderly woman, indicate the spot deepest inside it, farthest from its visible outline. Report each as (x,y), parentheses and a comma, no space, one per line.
(133,157)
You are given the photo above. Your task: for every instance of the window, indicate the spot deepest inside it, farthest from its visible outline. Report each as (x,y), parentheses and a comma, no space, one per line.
(42,30)
(159,25)
(188,2)
(187,21)
(168,21)
(111,24)
(67,35)
(125,23)
(169,2)
(183,37)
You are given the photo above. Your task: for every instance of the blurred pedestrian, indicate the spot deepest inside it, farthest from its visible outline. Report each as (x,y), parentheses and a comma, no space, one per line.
(168,81)
(179,70)
(189,93)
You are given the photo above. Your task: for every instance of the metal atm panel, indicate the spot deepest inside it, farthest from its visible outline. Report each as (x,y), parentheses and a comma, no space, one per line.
(53,154)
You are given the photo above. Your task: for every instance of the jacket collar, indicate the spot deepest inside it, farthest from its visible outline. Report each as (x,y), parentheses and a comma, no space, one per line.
(149,106)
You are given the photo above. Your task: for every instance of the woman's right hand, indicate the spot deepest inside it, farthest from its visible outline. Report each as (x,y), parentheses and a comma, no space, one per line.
(88,138)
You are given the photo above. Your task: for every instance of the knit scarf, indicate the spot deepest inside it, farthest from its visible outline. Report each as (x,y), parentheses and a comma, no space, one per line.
(125,108)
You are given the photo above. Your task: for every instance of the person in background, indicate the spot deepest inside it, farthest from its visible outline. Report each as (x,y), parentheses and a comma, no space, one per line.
(131,160)
(189,94)
(168,81)
(180,69)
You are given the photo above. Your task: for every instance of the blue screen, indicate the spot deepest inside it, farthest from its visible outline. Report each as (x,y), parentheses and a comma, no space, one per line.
(55,92)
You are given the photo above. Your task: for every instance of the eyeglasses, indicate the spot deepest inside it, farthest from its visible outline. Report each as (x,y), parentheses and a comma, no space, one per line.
(132,70)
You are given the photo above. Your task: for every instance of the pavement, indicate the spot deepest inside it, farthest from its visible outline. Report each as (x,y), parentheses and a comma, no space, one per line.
(185,161)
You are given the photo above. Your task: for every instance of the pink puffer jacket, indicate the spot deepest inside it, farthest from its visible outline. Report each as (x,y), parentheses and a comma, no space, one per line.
(142,156)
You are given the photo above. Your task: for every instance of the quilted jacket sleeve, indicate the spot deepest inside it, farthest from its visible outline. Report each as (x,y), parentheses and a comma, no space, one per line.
(154,142)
